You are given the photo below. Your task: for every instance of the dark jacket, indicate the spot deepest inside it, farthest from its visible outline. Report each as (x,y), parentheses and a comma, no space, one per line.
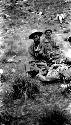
(49,50)
(32,51)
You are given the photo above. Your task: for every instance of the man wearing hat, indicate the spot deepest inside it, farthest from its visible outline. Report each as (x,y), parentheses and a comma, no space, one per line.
(33,49)
(48,47)
(45,45)
(48,33)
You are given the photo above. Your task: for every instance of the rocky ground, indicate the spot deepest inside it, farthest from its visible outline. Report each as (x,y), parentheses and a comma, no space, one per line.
(25,100)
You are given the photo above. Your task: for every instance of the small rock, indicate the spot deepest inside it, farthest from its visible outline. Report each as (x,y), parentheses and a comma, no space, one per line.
(13,70)
(1,71)
(66,31)
(63,86)
(10,60)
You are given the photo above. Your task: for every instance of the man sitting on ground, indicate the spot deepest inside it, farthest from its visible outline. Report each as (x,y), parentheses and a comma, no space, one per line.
(48,48)
(33,51)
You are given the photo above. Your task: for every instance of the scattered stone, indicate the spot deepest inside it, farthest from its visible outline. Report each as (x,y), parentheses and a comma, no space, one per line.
(13,70)
(66,31)
(10,60)
(64,86)
(60,17)
(1,71)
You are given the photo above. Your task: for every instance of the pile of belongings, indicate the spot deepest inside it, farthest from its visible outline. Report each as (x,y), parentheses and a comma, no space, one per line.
(55,72)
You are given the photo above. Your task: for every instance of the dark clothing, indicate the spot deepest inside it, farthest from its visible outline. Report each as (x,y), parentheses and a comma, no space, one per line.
(33,53)
(47,51)
(50,50)
(46,48)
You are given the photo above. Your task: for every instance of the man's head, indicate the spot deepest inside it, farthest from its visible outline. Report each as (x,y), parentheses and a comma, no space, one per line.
(36,37)
(48,33)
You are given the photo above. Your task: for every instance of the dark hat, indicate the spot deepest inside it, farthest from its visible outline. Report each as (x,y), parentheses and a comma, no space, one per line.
(48,31)
(35,33)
